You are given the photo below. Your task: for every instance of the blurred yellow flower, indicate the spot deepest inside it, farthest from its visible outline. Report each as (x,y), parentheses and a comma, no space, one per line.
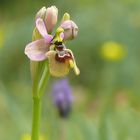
(112,51)
(28,137)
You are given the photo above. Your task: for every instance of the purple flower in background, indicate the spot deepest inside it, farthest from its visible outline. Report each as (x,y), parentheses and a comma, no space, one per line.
(62,97)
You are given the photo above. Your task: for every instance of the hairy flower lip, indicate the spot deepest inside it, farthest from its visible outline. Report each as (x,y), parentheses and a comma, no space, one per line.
(62,68)
(63,56)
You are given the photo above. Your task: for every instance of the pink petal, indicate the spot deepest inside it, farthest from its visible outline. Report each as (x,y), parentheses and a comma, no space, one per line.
(40,25)
(51,18)
(41,13)
(36,50)
(49,38)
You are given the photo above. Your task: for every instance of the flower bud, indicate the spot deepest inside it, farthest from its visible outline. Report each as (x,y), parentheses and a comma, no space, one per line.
(70,29)
(41,13)
(65,17)
(51,18)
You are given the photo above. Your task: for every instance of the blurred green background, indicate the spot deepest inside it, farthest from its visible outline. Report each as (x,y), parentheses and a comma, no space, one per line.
(107,92)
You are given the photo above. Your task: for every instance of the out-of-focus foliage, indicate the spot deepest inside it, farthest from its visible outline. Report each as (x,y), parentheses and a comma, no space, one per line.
(107,92)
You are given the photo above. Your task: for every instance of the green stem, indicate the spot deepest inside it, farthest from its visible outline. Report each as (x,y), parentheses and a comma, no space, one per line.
(36,102)
(36,118)
(63,129)
(39,84)
(43,81)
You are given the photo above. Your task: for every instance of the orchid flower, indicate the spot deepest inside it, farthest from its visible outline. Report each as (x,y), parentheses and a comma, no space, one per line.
(60,62)
(49,55)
